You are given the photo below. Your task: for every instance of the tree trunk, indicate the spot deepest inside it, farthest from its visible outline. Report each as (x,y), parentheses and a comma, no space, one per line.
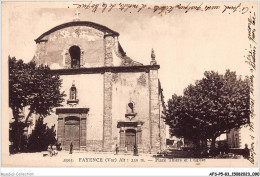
(213,147)
(198,144)
(15,114)
(213,142)
(14,132)
(29,114)
(17,130)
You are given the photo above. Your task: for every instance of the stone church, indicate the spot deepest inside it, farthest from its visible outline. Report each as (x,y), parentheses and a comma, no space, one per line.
(111,99)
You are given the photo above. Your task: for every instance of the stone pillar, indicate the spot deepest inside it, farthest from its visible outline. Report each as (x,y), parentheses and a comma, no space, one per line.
(139,137)
(83,133)
(154,111)
(107,115)
(163,134)
(109,44)
(122,140)
(81,57)
(61,131)
(40,52)
(67,59)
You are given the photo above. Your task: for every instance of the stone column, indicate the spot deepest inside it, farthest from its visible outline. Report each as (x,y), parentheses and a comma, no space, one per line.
(107,115)
(122,140)
(139,137)
(61,131)
(154,111)
(109,44)
(67,59)
(83,133)
(81,57)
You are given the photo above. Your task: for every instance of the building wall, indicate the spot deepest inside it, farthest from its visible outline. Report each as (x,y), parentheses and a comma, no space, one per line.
(131,87)
(53,52)
(125,88)
(234,139)
(154,111)
(106,94)
(244,132)
(90,95)
(162,124)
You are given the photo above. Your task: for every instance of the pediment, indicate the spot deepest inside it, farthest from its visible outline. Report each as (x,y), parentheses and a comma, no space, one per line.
(105,30)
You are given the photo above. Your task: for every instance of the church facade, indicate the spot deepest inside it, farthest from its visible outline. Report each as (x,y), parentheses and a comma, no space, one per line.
(111,100)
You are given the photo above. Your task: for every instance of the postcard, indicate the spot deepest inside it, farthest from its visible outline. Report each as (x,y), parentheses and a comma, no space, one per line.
(129,84)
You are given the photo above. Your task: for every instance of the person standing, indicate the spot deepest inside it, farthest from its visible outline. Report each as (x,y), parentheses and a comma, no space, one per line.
(116,149)
(135,151)
(71,147)
(125,149)
(50,151)
(246,152)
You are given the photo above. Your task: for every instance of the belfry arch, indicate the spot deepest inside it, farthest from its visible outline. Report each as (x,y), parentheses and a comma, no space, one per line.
(75,56)
(73,52)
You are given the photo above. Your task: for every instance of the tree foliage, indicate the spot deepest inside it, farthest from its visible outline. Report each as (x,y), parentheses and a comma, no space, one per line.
(42,136)
(212,106)
(34,87)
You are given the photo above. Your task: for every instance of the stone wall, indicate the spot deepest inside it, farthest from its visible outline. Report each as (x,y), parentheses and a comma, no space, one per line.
(109,44)
(154,111)
(106,94)
(54,50)
(162,126)
(107,120)
(131,87)
(94,145)
(90,95)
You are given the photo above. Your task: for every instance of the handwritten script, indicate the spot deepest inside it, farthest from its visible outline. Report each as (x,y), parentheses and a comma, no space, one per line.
(161,9)
(251,61)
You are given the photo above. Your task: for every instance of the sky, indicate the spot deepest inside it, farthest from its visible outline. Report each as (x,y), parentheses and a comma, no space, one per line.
(186,44)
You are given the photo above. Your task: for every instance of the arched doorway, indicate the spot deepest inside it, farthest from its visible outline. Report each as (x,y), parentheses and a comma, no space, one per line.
(130,139)
(72,133)
(75,56)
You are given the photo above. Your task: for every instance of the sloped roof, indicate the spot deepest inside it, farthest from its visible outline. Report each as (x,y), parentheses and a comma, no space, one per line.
(102,28)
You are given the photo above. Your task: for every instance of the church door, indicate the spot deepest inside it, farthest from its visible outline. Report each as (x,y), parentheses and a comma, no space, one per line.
(130,140)
(72,134)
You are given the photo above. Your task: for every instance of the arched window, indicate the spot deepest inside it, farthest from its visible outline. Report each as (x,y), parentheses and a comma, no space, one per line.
(75,56)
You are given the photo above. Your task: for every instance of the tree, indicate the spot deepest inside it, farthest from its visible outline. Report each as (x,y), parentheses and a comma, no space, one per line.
(212,106)
(42,136)
(33,87)
(16,135)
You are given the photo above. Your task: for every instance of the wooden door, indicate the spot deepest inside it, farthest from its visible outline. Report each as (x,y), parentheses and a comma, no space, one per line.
(130,140)
(67,137)
(75,137)
(72,134)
